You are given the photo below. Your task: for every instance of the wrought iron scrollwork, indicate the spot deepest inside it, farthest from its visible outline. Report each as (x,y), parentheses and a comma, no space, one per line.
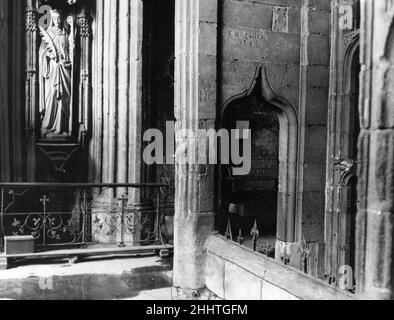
(57,215)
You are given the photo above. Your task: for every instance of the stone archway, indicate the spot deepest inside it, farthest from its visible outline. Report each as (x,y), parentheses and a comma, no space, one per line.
(287,117)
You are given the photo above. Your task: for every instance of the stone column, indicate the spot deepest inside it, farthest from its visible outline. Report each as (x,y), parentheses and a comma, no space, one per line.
(312,116)
(115,146)
(11,90)
(4,145)
(31,94)
(195,107)
(376,152)
(4,129)
(17,105)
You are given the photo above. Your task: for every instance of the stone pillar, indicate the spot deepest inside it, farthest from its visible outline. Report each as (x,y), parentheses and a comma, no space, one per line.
(195,107)
(344,45)
(31,94)
(376,152)
(312,116)
(115,146)
(17,105)
(4,129)
(11,90)
(4,145)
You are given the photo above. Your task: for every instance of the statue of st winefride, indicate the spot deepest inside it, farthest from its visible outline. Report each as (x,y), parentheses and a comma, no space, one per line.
(55,77)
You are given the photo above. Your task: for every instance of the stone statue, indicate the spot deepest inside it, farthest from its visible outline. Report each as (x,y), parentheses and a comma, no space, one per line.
(55,78)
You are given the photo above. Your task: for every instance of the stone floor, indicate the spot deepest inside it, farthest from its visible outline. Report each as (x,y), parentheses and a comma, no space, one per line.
(147,278)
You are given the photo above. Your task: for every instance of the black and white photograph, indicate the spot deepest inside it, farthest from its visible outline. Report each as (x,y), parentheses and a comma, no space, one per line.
(215,151)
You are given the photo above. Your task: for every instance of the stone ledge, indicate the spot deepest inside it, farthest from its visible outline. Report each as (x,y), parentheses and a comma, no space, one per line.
(270,279)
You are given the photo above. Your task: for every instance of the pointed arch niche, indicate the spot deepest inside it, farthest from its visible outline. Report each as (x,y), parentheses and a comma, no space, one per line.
(52,158)
(267,195)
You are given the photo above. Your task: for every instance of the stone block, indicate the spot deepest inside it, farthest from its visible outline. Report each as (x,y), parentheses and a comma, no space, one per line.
(316,112)
(313,216)
(245,43)
(314,177)
(295,257)
(320,5)
(208,38)
(316,261)
(283,47)
(206,190)
(319,50)
(241,285)
(319,22)
(207,91)
(240,43)
(19,245)
(192,229)
(383,114)
(270,292)
(247,14)
(319,76)
(208,10)
(294,20)
(381,164)
(215,273)
(315,144)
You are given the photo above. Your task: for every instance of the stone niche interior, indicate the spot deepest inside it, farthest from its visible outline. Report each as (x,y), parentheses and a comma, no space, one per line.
(158,91)
(59,155)
(263,201)
(254,197)
(252,200)
(80,12)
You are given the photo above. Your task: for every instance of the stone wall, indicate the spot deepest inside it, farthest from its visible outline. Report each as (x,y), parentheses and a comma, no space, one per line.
(292,40)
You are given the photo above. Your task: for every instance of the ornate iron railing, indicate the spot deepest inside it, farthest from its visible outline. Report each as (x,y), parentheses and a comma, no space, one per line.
(61,215)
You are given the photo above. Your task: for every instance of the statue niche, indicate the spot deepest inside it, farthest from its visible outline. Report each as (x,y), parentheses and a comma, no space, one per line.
(55,77)
(61,111)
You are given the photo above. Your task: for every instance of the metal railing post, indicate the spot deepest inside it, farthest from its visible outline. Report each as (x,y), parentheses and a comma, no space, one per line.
(84,216)
(123,200)
(44,201)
